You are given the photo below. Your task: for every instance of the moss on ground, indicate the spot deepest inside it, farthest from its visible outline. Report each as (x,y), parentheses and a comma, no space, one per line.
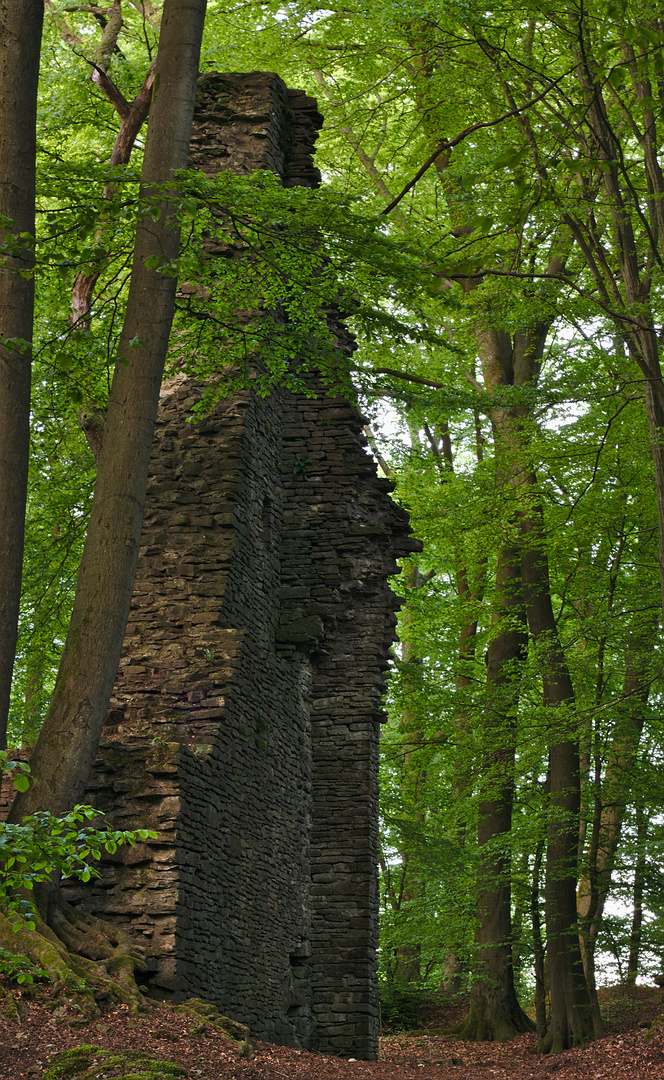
(88,1062)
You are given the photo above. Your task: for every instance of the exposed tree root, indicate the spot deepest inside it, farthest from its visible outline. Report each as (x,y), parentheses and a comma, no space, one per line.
(91,964)
(9,1005)
(88,961)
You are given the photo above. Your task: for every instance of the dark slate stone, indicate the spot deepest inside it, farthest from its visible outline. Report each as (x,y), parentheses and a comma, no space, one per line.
(245,717)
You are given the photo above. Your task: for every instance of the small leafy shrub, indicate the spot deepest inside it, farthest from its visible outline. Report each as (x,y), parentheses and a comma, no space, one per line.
(42,845)
(18,967)
(399,1005)
(20,769)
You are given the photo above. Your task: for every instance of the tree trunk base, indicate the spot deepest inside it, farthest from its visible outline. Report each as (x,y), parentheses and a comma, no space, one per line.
(558,1039)
(487,1022)
(88,961)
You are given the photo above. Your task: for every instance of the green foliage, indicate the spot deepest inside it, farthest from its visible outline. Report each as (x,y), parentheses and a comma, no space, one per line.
(20,769)
(398,1006)
(45,843)
(19,967)
(465,255)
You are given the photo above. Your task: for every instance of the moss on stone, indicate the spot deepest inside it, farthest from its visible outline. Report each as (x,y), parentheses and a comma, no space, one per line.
(86,1062)
(9,1005)
(205,1013)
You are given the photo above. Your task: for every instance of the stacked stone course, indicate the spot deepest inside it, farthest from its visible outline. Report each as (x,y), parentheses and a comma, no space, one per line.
(245,717)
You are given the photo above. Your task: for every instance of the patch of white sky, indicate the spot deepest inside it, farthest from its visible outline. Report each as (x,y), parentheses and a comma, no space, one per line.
(390,428)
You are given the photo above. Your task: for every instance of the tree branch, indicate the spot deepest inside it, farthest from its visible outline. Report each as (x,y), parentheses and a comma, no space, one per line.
(408,378)
(447,144)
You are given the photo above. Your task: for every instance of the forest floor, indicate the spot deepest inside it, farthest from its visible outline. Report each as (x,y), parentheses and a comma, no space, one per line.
(633,1048)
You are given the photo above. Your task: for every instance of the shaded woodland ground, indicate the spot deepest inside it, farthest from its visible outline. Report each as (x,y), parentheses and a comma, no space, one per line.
(42,1028)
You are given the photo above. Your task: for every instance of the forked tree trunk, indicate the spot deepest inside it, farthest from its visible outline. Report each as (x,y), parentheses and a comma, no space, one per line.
(68,741)
(20,44)
(495,1012)
(517,363)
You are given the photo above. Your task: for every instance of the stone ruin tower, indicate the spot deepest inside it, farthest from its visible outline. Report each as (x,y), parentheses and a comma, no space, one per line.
(245,717)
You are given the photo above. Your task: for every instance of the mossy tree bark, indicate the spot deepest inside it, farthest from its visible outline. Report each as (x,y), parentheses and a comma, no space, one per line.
(20,46)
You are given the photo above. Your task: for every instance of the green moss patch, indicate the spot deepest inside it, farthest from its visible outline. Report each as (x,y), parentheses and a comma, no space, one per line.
(89,1062)
(207,1017)
(200,1010)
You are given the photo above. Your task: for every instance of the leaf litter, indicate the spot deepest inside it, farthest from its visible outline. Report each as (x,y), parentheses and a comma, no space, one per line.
(34,1032)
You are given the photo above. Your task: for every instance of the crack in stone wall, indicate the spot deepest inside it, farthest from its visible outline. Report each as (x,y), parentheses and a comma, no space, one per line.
(245,716)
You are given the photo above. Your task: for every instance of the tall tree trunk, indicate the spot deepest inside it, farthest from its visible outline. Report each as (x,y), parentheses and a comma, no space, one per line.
(413,782)
(495,1012)
(611,799)
(20,45)
(505,362)
(571,1016)
(68,741)
(637,893)
(538,946)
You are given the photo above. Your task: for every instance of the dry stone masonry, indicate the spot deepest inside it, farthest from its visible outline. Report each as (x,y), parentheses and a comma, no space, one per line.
(245,718)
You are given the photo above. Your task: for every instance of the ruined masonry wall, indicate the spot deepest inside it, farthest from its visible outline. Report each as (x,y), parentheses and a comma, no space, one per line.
(244,720)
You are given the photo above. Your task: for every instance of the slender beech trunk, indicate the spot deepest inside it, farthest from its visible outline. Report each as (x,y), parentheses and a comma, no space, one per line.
(571,1015)
(470,595)
(637,894)
(68,741)
(413,780)
(20,45)
(520,904)
(611,797)
(517,363)
(632,260)
(495,1012)
(538,945)
(505,362)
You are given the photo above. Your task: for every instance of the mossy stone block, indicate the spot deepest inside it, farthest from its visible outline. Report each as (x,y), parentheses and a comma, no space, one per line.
(87,1062)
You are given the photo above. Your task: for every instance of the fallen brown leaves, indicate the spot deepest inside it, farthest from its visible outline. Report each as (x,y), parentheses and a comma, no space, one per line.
(28,1042)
